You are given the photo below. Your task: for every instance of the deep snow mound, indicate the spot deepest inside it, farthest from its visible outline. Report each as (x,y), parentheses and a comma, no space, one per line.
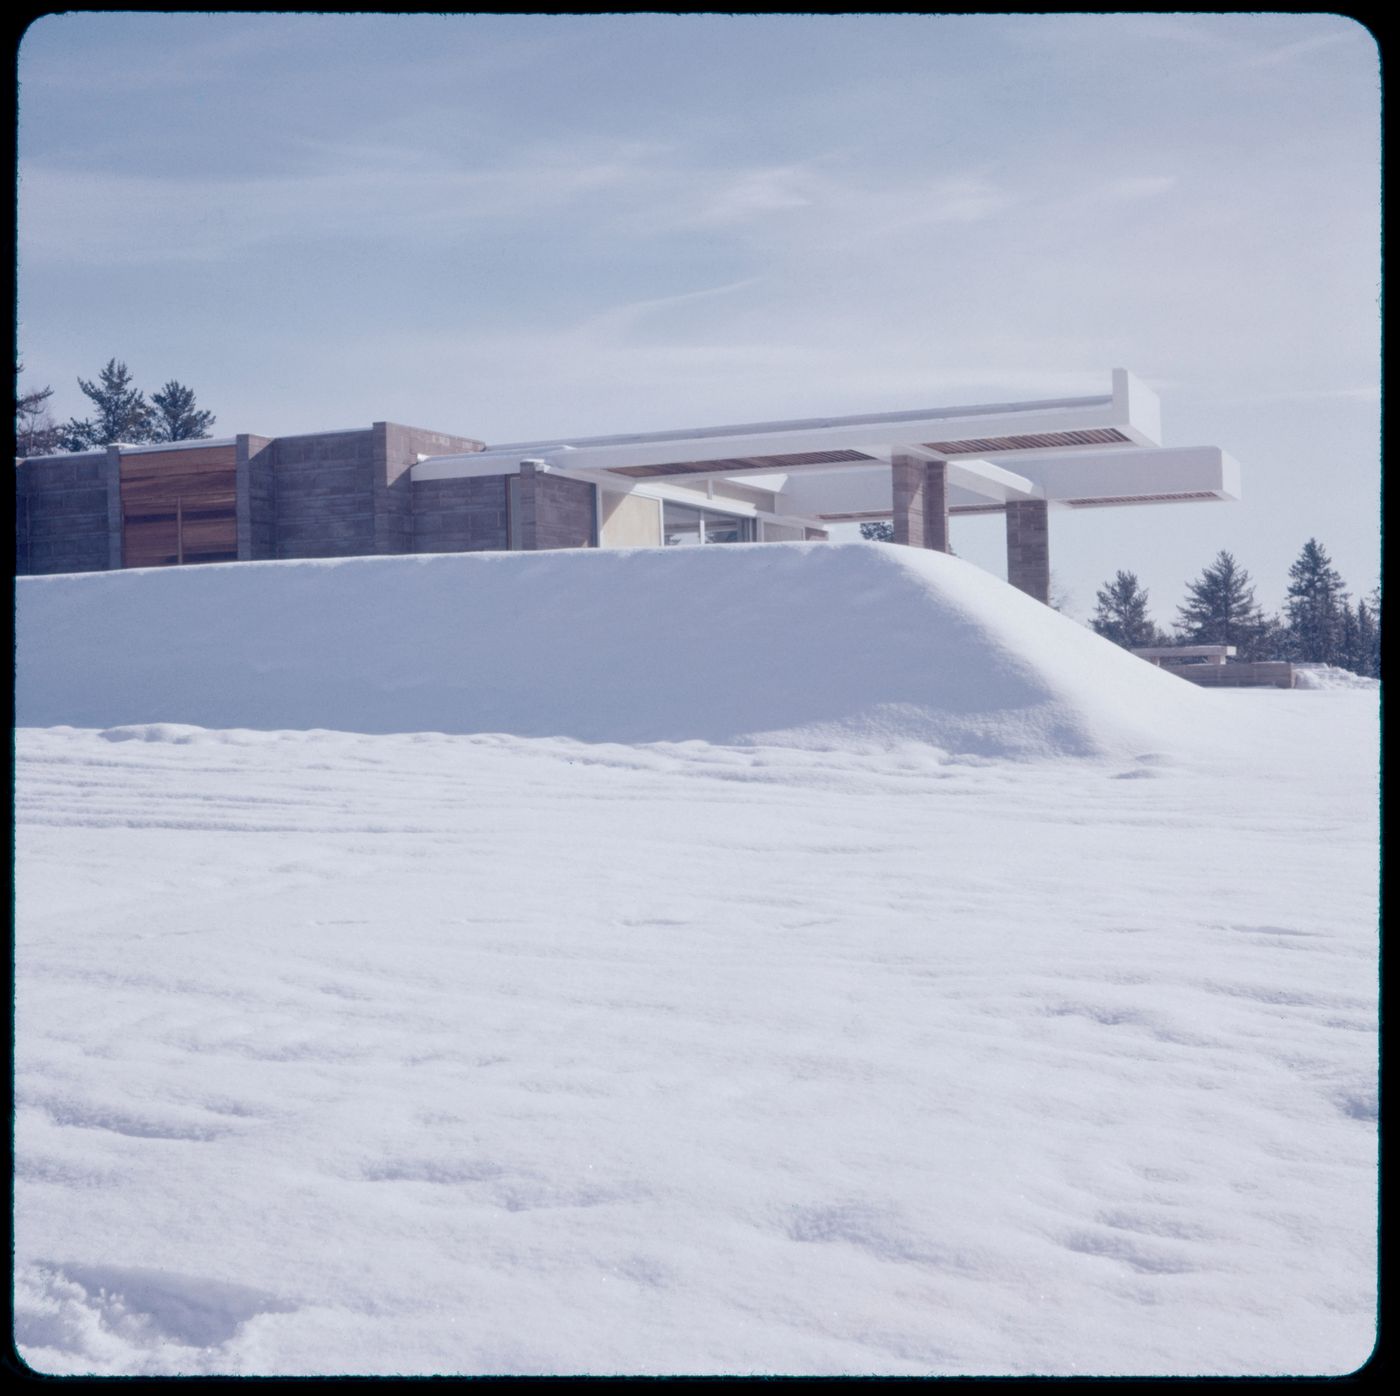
(1330,676)
(793,643)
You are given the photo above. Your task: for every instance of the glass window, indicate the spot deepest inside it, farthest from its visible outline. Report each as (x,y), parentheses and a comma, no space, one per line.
(684,525)
(725,528)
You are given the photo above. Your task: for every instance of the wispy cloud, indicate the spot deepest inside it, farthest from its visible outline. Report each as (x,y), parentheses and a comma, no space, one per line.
(1140,187)
(99,217)
(616,323)
(1300,48)
(750,194)
(208,46)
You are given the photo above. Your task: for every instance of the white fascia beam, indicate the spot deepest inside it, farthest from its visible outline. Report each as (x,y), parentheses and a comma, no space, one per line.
(1130,407)
(671,488)
(872,440)
(991,482)
(1153,475)
(858,489)
(469,465)
(1138,407)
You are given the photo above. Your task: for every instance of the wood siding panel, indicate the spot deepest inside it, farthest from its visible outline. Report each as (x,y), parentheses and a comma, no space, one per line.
(179,505)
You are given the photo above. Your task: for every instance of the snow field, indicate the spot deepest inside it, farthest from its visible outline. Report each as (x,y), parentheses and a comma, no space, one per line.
(491,1053)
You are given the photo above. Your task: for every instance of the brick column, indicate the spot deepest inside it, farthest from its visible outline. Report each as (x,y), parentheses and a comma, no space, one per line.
(920,502)
(527,499)
(1028,547)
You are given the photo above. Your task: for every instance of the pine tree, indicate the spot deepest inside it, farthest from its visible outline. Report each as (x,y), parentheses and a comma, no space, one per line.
(35,431)
(1374,653)
(1316,596)
(1272,641)
(1368,637)
(176,417)
(123,414)
(1349,645)
(1121,613)
(1220,609)
(877,532)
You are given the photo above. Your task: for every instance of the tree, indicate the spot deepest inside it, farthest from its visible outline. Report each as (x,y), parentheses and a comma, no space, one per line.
(1316,597)
(1121,613)
(123,414)
(1369,623)
(1361,637)
(176,417)
(881,531)
(1220,609)
(36,434)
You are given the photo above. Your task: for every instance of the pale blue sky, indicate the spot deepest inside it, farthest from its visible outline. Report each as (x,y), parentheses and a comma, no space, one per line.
(516,227)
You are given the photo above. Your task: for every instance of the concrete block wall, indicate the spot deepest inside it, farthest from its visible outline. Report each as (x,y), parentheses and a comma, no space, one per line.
(555,512)
(68,513)
(460,516)
(395,452)
(324,493)
(21,522)
(256,498)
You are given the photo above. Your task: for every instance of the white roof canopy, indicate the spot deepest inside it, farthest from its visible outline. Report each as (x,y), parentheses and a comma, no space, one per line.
(1081,451)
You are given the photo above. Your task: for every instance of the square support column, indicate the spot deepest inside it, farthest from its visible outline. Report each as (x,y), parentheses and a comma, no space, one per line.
(255,503)
(552,511)
(1028,547)
(920,490)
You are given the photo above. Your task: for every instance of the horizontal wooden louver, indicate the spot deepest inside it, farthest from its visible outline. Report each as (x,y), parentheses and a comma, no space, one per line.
(1109,499)
(737,463)
(179,506)
(1038,441)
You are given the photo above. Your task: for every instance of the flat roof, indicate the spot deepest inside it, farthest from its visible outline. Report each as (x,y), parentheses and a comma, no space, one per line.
(1090,450)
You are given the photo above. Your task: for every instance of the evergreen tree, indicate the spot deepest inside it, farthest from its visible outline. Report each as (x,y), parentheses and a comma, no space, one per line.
(123,414)
(882,531)
(1316,597)
(1366,649)
(1272,641)
(1349,644)
(35,431)
(1372,633)
(1220,609)
(176,417)
(1121,613)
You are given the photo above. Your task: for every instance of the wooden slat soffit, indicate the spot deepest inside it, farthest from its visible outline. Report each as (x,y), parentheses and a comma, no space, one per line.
(1037,441)
(734,464)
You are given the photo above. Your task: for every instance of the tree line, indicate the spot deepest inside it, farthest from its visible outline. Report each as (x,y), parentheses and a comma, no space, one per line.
(1318,624)
(121,412)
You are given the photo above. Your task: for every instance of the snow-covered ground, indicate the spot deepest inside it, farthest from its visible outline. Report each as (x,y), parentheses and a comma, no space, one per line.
(1329,676)
(1011,1010)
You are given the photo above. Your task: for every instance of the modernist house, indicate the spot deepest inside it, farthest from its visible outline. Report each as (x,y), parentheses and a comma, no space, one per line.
(394,489)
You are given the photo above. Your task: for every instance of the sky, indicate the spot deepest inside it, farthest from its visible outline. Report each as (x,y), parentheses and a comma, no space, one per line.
(517,227)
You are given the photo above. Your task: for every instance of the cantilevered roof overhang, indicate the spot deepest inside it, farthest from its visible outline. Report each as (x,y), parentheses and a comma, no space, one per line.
(1094,450)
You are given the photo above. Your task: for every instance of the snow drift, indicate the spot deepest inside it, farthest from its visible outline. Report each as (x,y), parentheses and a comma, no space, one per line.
(794,643)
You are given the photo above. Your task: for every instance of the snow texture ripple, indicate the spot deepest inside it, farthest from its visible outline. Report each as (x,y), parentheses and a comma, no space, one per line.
(345,1052)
